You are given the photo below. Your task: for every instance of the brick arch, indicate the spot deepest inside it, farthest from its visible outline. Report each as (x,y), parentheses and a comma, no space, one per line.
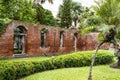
(20,23)
(19,40)
(21,27)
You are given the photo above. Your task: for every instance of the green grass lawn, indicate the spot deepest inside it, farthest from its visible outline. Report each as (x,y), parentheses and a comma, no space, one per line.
(25,59)
(103,72)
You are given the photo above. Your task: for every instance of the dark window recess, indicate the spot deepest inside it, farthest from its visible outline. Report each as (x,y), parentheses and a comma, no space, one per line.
(19,40)
(61,39)
(75,42)
(43,37)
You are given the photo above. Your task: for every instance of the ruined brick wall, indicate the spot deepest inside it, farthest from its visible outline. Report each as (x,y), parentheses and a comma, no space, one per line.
(52,42)
(89,42)
(7,39)
(6,42)
(33,41)
(69,40)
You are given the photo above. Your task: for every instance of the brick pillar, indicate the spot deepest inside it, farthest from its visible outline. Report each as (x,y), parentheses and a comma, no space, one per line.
(6,42)
(68,41)
(33,41)
(53,40)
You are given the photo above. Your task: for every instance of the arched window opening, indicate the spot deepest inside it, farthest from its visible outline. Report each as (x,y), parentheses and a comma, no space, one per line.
(61,39)
(19,40)
(43,37)
(75,41)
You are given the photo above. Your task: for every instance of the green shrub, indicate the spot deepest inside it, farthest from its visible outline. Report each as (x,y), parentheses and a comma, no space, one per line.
(14,70)
(7,71)
(3,25)
(23,69)
(79,59)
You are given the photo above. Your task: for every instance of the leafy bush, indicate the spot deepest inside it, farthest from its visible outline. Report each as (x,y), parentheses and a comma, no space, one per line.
(3,23)
(78,59)
(17,69)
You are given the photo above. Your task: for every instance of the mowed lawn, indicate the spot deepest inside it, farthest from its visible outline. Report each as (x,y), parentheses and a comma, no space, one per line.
(38,58)
(103,72)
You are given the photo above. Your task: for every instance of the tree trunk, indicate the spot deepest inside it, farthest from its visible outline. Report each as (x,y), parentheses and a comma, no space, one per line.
(117,65)
(116,47)
(93,60)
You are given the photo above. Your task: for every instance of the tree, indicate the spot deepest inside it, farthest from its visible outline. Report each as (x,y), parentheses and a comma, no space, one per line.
(66,18)
(44,16)
(40,16)
(49,18)
(108,11)
(17,10)
(88,21)
(25,10)
(42,1)
(77,9)
(60,11)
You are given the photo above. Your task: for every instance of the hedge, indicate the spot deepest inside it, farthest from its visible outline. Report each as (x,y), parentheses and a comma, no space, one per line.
(15,70)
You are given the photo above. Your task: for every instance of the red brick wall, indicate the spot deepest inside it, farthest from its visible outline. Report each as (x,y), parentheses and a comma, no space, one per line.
(91,41)
(6,42)
(52,45)
(33,41)
(68,40)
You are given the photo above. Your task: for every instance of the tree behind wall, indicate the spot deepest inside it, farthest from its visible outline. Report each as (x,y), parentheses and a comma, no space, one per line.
(40,16)
(26,10)
(66,18)
(77,10)
(44,16)
(17,10)
(49,18)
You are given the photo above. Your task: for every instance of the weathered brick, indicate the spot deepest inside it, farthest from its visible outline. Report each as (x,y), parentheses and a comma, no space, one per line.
(52,43)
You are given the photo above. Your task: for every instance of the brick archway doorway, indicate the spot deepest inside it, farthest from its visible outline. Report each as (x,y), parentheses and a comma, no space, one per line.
(19,40)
